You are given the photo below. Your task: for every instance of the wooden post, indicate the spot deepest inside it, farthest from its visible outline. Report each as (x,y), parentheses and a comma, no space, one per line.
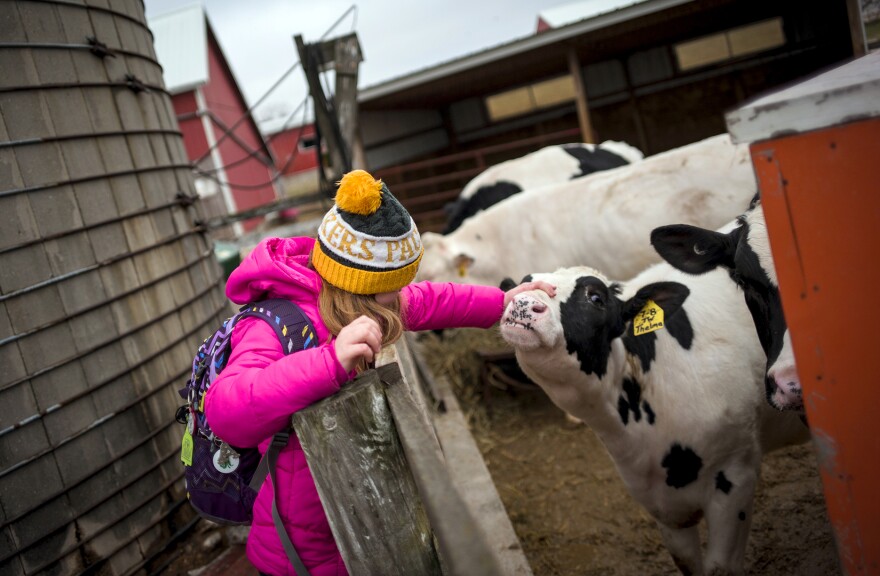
(365,484)
(580,92)
(325,113)
(856,28)
(346,62)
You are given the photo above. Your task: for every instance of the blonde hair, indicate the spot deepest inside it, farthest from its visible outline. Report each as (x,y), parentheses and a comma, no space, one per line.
(339,308)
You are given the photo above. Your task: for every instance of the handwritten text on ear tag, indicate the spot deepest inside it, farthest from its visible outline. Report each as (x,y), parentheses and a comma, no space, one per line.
(649,319)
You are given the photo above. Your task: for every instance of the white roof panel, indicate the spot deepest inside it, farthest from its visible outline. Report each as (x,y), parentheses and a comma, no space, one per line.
(837,96)
(181,41)
(581,10)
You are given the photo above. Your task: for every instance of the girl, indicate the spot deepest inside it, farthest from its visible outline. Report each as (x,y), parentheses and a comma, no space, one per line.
(353,283)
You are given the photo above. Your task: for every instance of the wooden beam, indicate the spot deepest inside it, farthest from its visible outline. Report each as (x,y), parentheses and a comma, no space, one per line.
(325,112)
(580,92)
(364,481)
(463,546)
(856,28)
(346,63)
(468,471)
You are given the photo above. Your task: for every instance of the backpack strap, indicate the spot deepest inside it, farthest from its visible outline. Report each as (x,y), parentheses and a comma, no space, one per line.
(279,441)
(291,325)
(295,332)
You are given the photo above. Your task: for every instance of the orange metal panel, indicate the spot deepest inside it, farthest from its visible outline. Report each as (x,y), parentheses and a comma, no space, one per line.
(821,196)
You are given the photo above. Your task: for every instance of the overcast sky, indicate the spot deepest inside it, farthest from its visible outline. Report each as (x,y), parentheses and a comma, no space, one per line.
(397,36)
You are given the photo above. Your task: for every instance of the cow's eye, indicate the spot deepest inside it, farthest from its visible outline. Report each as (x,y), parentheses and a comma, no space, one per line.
(596,298)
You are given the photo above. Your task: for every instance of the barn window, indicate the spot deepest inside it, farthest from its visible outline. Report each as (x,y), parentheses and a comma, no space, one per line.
(603,78)
(552,92)
(730,44)
(307,142)
(510,103)
(756,37)
(526,99)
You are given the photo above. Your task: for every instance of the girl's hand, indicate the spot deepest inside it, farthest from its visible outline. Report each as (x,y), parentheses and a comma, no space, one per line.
(525,287)
(361,339)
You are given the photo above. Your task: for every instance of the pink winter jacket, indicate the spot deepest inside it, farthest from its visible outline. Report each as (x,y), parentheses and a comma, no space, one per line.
(260,388)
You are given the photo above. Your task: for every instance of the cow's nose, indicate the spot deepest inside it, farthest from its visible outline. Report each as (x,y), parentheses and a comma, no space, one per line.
(526,304)
(786,378)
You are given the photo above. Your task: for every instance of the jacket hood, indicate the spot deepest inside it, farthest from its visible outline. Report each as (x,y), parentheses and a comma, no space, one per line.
(276,268)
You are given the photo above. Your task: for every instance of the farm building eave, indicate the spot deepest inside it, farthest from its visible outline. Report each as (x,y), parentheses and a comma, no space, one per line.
(514,48)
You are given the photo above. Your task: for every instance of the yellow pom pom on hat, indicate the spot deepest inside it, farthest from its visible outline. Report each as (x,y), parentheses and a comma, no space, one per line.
(367,242)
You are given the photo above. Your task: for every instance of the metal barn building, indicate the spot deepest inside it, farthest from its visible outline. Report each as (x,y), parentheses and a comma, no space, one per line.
(657,74)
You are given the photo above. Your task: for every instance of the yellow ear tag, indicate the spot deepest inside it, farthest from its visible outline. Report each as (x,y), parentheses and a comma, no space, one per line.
(186,449)
(649,319)
(462,269)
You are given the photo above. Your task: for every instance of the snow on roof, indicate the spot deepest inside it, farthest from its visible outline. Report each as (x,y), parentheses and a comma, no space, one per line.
(181,41)
(570,12)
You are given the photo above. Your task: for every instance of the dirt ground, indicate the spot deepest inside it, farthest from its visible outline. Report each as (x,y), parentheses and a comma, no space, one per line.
(572,512)
(566,501)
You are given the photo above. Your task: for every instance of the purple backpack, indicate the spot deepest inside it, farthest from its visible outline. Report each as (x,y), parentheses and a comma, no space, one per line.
(222,481)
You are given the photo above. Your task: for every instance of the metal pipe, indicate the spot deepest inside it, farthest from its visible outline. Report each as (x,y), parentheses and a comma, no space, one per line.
(65,137)
(143,502)
(107,417)
(107,497)
(99,347)
(93,267)
(131,83)
(58,493)
(102,176)
(18,336)
(95,8)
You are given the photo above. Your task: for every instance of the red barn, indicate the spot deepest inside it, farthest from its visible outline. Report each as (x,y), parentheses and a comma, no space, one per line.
(234,166)
(296,155)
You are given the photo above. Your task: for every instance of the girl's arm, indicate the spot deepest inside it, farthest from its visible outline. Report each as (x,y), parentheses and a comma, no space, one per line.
(432,306)
(260,387)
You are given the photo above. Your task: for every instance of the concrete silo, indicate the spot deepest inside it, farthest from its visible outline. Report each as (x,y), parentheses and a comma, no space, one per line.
(107,285)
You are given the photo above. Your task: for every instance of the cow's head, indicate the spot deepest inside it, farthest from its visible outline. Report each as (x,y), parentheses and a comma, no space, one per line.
(580,323)
(745,252)
(445,261)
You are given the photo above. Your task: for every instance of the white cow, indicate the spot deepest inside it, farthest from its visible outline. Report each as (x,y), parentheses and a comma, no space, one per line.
(667,370)
(549,165)
(604,218)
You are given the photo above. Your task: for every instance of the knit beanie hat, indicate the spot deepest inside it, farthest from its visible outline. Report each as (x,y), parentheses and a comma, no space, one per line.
(368,242)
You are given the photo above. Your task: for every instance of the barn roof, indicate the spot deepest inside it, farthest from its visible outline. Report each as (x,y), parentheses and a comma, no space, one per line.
(570,12)
(181,41)
(610,12)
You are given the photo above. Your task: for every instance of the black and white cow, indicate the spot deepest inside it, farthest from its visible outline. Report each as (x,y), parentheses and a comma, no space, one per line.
(745,252)
(549,165)
(666,369)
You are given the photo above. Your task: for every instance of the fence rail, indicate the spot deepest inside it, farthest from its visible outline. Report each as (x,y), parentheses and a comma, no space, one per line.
(425,186)
(390,477)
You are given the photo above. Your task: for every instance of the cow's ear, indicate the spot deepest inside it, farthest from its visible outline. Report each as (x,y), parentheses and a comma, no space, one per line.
(668,295)
(433,241)
(461,263)
(695,250)
(507,284)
